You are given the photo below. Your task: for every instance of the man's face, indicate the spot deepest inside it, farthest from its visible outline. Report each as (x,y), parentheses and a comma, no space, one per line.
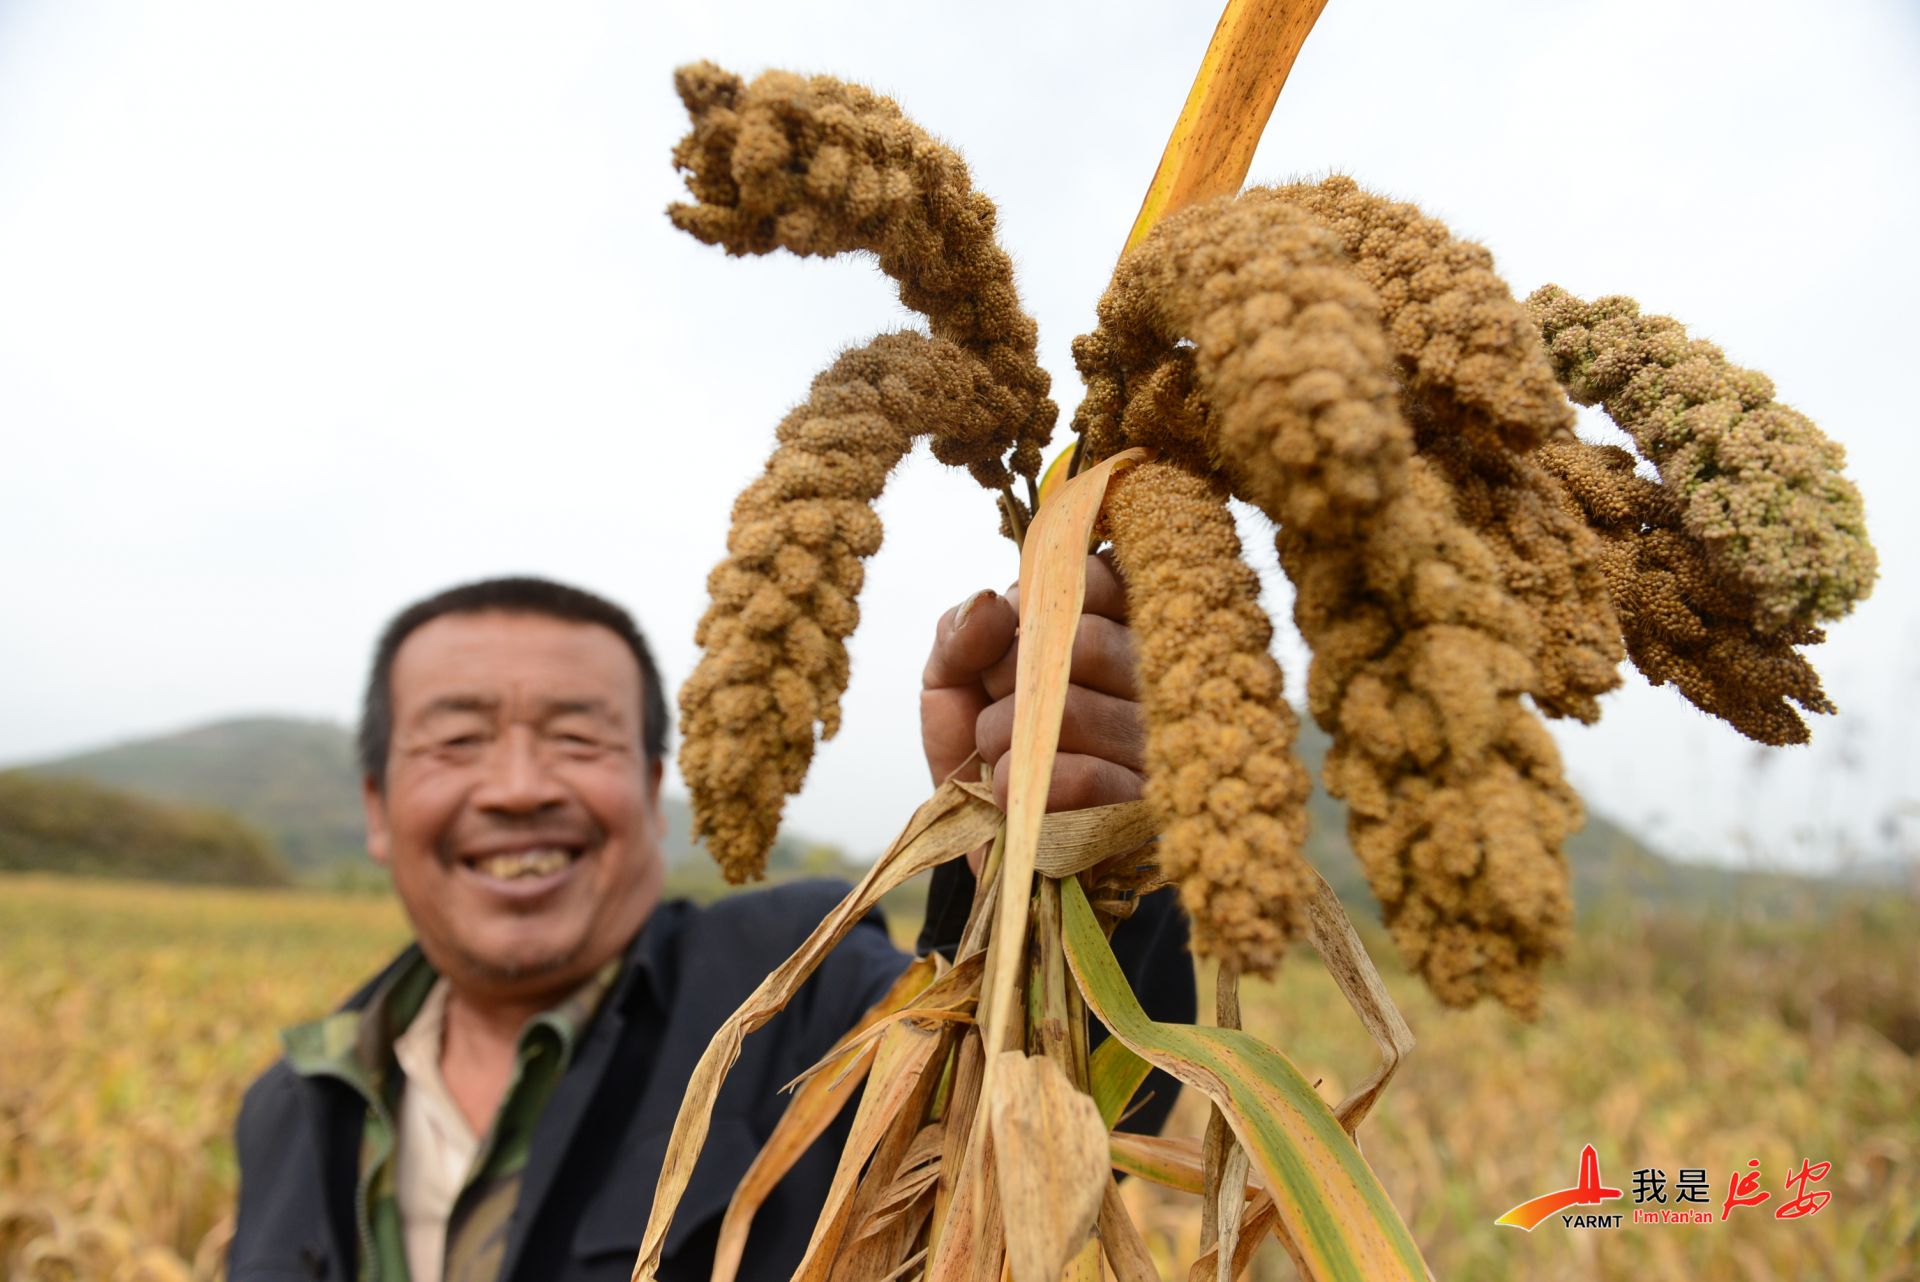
(519,817)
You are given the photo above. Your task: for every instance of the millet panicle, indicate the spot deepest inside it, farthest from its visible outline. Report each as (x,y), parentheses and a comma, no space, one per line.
(1758,485)
(819,167)
(1222,776)
(774,660)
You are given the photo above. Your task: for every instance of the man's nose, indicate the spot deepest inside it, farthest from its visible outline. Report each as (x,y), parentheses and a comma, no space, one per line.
(517,778)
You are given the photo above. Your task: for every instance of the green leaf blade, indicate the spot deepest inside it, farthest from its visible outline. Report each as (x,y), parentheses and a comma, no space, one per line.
(1338,1221)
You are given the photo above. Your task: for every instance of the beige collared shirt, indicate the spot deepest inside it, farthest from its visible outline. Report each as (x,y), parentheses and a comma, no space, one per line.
(435,1148)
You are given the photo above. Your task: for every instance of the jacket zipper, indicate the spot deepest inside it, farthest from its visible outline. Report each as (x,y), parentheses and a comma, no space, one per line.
(363,1185)
(363,1189)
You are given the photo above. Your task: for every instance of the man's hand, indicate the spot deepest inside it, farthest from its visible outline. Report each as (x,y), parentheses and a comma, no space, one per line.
(966,696)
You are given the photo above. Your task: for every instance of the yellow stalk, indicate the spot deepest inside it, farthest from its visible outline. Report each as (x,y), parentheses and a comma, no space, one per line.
(1219,128)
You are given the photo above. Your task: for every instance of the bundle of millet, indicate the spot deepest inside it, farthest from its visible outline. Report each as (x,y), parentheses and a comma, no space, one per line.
(1456,804)
(1685,623)
(1144,395)
(1221,772)
(1295,386)
(819,167)
(1421,652)
(1481,395)
(1756,484)
(1455,328)
(1283,391)
(1468,588)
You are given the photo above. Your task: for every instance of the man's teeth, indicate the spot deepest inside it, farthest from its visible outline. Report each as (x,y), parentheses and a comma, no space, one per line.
(524,863)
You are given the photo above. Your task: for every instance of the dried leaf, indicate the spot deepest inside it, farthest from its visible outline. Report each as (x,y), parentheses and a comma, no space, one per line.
(949,999)
(886,1239)
(946,825)
(1120,1238)
(912,1182)
(1053,589)
(1050,1155)
(898,1085)
(811,1111)
(882,1250)
(953,1208)
(1171,1161)
(1334,938)
(1072,841)
(1261,1219)
(1230,1206)
(1226,1163)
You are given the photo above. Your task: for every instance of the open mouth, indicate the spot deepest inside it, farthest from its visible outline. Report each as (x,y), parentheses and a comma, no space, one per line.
(529,864)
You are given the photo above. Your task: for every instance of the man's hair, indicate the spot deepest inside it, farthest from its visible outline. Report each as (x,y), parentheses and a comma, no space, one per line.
(517,595)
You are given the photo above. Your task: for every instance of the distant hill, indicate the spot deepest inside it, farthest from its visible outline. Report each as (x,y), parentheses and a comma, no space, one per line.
(1609,864)
(297,781)
(62,825)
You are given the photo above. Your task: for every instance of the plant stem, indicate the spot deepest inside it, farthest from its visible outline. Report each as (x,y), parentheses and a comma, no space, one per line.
(1051,1034)
(1010,508)
(1226,1178)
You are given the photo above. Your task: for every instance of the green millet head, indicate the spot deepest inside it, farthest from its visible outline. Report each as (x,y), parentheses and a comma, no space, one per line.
(1684,623)
(1758,485)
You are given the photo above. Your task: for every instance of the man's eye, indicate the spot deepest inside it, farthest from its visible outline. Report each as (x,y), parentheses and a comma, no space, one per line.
(461,741)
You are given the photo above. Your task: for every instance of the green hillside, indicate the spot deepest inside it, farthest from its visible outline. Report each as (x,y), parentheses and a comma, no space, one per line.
(296,781)
(74,826)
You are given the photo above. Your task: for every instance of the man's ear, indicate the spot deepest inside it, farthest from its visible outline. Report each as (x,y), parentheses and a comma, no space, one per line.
(373,803)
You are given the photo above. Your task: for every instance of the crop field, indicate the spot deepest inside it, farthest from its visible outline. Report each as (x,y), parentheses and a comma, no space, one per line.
(132,1017)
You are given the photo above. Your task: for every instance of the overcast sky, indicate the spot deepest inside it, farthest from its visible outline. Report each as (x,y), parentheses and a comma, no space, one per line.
(307,310)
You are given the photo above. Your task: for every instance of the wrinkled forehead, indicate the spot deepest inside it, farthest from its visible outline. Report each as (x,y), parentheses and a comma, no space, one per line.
(522,665)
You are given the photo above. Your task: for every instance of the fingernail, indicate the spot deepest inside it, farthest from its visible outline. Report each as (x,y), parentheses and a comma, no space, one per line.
(966,607)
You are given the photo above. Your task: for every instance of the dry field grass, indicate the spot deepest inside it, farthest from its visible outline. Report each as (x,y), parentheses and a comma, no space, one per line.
(1666,1042)
(131,1018)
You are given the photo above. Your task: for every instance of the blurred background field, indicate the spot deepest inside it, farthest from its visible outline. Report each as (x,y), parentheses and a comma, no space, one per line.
(1668,1038)
(132,1019)
(133,1015)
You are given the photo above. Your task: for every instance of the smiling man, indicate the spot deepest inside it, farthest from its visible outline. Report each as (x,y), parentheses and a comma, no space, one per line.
(495,1103)
(515,801)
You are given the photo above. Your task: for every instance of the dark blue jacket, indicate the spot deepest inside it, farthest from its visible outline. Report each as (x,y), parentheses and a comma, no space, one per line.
(599,1144)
